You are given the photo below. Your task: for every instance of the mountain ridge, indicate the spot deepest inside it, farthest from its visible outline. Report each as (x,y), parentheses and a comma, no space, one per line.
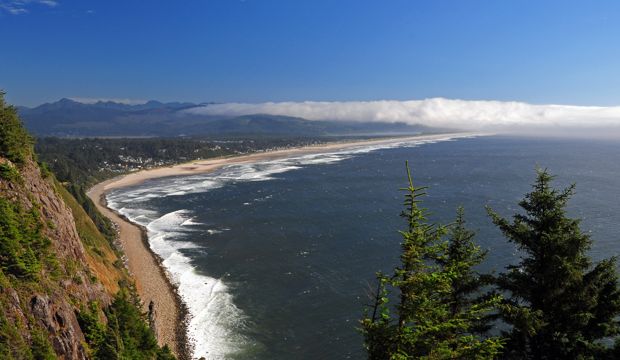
(66,103)
(71,118)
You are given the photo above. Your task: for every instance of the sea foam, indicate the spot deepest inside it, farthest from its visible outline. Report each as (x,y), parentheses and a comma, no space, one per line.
(216,325)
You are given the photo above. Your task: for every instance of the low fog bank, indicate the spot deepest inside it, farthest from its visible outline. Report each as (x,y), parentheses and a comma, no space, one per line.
(488,116)
(603,132)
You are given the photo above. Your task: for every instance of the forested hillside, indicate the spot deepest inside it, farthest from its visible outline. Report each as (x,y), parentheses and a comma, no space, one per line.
(64,290)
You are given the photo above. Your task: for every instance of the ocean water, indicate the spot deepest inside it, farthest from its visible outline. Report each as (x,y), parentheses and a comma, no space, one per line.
(272,258)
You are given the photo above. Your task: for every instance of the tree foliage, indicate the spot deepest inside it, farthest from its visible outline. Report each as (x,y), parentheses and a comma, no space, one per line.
(559,303)
(28,266)
(15,140)
(92,160)
(24,251)
(467,287)
(126,335)
(425,324)
(13,346)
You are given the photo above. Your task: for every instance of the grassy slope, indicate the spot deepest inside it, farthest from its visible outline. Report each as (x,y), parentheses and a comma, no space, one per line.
(100,255)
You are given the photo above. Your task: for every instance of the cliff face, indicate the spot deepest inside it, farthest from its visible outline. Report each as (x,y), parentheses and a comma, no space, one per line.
(44,308)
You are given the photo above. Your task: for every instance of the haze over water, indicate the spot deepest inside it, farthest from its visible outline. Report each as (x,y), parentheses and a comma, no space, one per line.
(272,257)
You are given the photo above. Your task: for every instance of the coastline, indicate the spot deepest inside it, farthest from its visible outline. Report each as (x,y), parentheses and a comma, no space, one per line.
(210,165)
(152,281)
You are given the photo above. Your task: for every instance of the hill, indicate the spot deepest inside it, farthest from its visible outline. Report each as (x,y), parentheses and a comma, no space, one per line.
(71,104)
(64,290)
(70,118)
(272,124)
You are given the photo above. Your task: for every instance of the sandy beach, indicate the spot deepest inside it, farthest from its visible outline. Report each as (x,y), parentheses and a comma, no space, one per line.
(209,165)
(151,278)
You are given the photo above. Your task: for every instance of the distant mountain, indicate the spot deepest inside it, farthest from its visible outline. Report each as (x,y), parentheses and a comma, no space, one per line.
(114,105)
(70,104)
(58,105)
(70,118)
(273,124)
(149,105)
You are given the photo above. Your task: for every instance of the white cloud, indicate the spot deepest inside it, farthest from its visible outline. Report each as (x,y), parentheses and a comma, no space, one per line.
(120,101)
(18,7)
(15,11)
(49,3)
(438,112)
(11,8)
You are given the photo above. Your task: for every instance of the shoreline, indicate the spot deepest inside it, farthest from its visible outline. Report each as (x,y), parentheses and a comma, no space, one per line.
(152,280)
(210,165)
(171,313)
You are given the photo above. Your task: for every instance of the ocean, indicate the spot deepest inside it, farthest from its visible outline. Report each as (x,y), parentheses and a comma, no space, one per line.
(272,258)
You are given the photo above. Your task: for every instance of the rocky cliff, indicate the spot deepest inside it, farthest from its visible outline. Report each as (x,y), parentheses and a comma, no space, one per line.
(64,291)
(45,305)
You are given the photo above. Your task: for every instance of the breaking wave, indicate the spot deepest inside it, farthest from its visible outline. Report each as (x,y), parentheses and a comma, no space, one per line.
(216,325)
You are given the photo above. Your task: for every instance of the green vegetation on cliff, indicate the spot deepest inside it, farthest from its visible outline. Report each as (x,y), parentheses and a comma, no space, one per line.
(102,254)
(126,335)
(15,140)
(103,224)
(48,274)
(25,258)
(24,251)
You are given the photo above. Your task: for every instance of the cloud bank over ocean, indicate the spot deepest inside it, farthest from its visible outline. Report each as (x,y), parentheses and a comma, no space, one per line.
(436,112)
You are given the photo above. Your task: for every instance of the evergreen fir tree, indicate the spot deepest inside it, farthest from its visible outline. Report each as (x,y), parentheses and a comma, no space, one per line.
(15,140)
(423,326)
(560,304)
(467,286)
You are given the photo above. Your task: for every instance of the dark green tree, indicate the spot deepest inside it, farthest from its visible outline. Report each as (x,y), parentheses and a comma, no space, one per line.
(559,304)
(15,140)
(467,285)
(422,326)
(126,335)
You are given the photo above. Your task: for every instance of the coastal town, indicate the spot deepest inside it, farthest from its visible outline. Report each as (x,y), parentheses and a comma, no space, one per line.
(129,155)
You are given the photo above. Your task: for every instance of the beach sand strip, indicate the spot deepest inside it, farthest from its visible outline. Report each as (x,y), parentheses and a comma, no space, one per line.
(151,277)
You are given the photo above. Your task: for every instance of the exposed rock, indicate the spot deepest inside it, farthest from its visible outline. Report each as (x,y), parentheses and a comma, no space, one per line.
(52,311)
(15,315)
(39,308)
(153,319)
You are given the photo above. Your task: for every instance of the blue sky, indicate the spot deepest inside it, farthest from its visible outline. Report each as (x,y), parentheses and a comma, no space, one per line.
(539,52)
